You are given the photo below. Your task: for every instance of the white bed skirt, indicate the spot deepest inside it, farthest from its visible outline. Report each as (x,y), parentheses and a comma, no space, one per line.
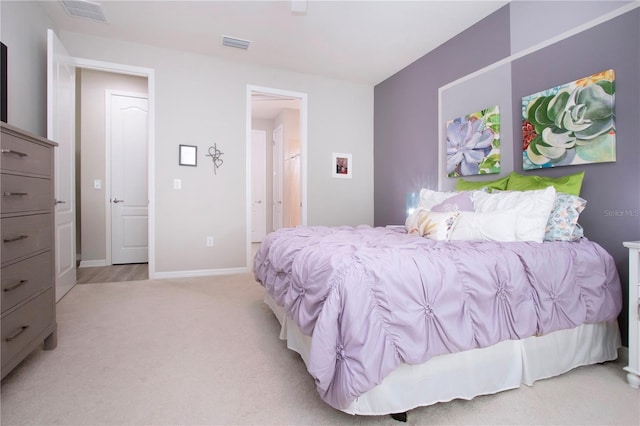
(465,375)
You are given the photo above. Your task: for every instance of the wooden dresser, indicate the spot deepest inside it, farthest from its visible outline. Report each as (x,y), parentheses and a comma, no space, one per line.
(27,228)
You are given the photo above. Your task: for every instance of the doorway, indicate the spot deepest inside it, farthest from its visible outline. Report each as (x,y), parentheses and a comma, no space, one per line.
(282,116)
(109,153)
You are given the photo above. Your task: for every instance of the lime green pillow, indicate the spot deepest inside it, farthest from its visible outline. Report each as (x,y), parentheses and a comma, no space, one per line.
(569,184)
(466,185)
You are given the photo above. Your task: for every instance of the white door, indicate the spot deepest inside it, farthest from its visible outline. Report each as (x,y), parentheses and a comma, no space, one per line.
(127,133)
(61,79)
(291,190)
(278,140)
(258,185)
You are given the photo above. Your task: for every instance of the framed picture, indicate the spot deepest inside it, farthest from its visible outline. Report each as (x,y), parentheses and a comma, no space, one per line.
(188,155)
(570,124)
(473,143)
(341,165)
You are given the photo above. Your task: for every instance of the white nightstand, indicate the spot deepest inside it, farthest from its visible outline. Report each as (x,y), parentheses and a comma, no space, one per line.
(633,369)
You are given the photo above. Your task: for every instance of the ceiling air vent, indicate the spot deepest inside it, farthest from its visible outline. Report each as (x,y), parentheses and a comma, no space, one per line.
(235,42)
(84,9)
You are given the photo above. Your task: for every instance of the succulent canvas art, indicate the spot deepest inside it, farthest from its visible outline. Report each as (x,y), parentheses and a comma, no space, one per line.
(570,124)
(473,143)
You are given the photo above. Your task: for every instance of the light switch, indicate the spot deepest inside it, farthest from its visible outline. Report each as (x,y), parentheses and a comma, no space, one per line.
(97,184)
(177,184)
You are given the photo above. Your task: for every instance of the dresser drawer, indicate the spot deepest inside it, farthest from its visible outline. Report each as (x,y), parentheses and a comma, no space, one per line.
(24,279)
(23,194)
(28,322)
(22,235)
(19,155)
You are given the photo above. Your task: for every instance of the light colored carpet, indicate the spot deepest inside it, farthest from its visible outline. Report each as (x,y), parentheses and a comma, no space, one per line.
(205,351)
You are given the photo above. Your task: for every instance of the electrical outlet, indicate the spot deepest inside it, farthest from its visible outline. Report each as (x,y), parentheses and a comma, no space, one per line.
(209,241)
(177,184)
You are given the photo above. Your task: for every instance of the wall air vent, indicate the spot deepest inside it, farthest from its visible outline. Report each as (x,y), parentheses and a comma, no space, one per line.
(84,9)
(235,42)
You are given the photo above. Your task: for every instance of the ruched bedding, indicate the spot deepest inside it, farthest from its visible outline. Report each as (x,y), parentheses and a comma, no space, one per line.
(373,298)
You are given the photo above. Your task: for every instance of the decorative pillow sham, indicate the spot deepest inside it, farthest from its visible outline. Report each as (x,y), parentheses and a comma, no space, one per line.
(578,233)
(569,184)
(432,225)
(466,185)
(564,218)
(458,203)
(531,208)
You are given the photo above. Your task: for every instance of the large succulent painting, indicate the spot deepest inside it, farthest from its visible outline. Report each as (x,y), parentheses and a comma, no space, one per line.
(473,143)
(570,124)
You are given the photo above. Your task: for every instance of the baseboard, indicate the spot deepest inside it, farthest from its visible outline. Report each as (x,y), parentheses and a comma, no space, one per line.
(92,263)
(200,273)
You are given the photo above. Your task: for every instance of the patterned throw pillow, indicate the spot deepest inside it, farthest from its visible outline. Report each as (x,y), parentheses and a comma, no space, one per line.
(432,225)
(563,220)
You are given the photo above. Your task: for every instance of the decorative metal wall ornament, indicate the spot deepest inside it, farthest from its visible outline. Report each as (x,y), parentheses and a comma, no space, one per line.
(216,157)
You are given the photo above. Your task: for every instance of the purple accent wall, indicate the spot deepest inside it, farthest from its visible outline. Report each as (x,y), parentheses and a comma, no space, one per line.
(406,113)
(612,214)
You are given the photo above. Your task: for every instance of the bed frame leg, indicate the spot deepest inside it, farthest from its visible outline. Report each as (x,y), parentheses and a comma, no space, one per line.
(401,417)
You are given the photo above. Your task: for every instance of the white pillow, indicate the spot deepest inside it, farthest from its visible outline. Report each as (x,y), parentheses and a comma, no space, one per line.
(493,226)
(531,209)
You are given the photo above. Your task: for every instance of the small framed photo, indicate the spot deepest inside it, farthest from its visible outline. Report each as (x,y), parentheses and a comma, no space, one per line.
(342,165)
(188,155)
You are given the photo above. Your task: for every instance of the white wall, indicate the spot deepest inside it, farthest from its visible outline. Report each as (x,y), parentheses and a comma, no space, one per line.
(200,101)
(23,29)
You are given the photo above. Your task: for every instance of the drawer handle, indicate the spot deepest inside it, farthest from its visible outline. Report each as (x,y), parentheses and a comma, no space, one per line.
(11,151)
(12,194)
(21,283)
(11,240)
(15,335)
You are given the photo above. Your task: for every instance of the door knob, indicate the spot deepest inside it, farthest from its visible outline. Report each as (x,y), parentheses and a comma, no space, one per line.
(115,200)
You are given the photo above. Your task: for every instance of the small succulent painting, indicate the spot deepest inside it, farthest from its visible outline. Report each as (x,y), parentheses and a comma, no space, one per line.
(473,143)
(570,124)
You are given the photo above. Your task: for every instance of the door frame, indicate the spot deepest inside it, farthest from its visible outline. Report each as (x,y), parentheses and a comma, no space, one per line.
(149,74)
(107,163)
(303,155)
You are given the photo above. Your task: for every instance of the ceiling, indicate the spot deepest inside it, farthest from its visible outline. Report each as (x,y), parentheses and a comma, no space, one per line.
(358,41)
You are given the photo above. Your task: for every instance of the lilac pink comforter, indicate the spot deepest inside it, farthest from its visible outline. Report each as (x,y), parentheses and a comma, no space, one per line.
(373,298)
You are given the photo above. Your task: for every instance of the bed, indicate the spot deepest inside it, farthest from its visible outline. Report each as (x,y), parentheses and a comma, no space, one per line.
(388,319)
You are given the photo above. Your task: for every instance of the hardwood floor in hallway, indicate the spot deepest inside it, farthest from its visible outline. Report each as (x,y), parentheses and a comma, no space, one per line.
(121,273)
(113,273)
